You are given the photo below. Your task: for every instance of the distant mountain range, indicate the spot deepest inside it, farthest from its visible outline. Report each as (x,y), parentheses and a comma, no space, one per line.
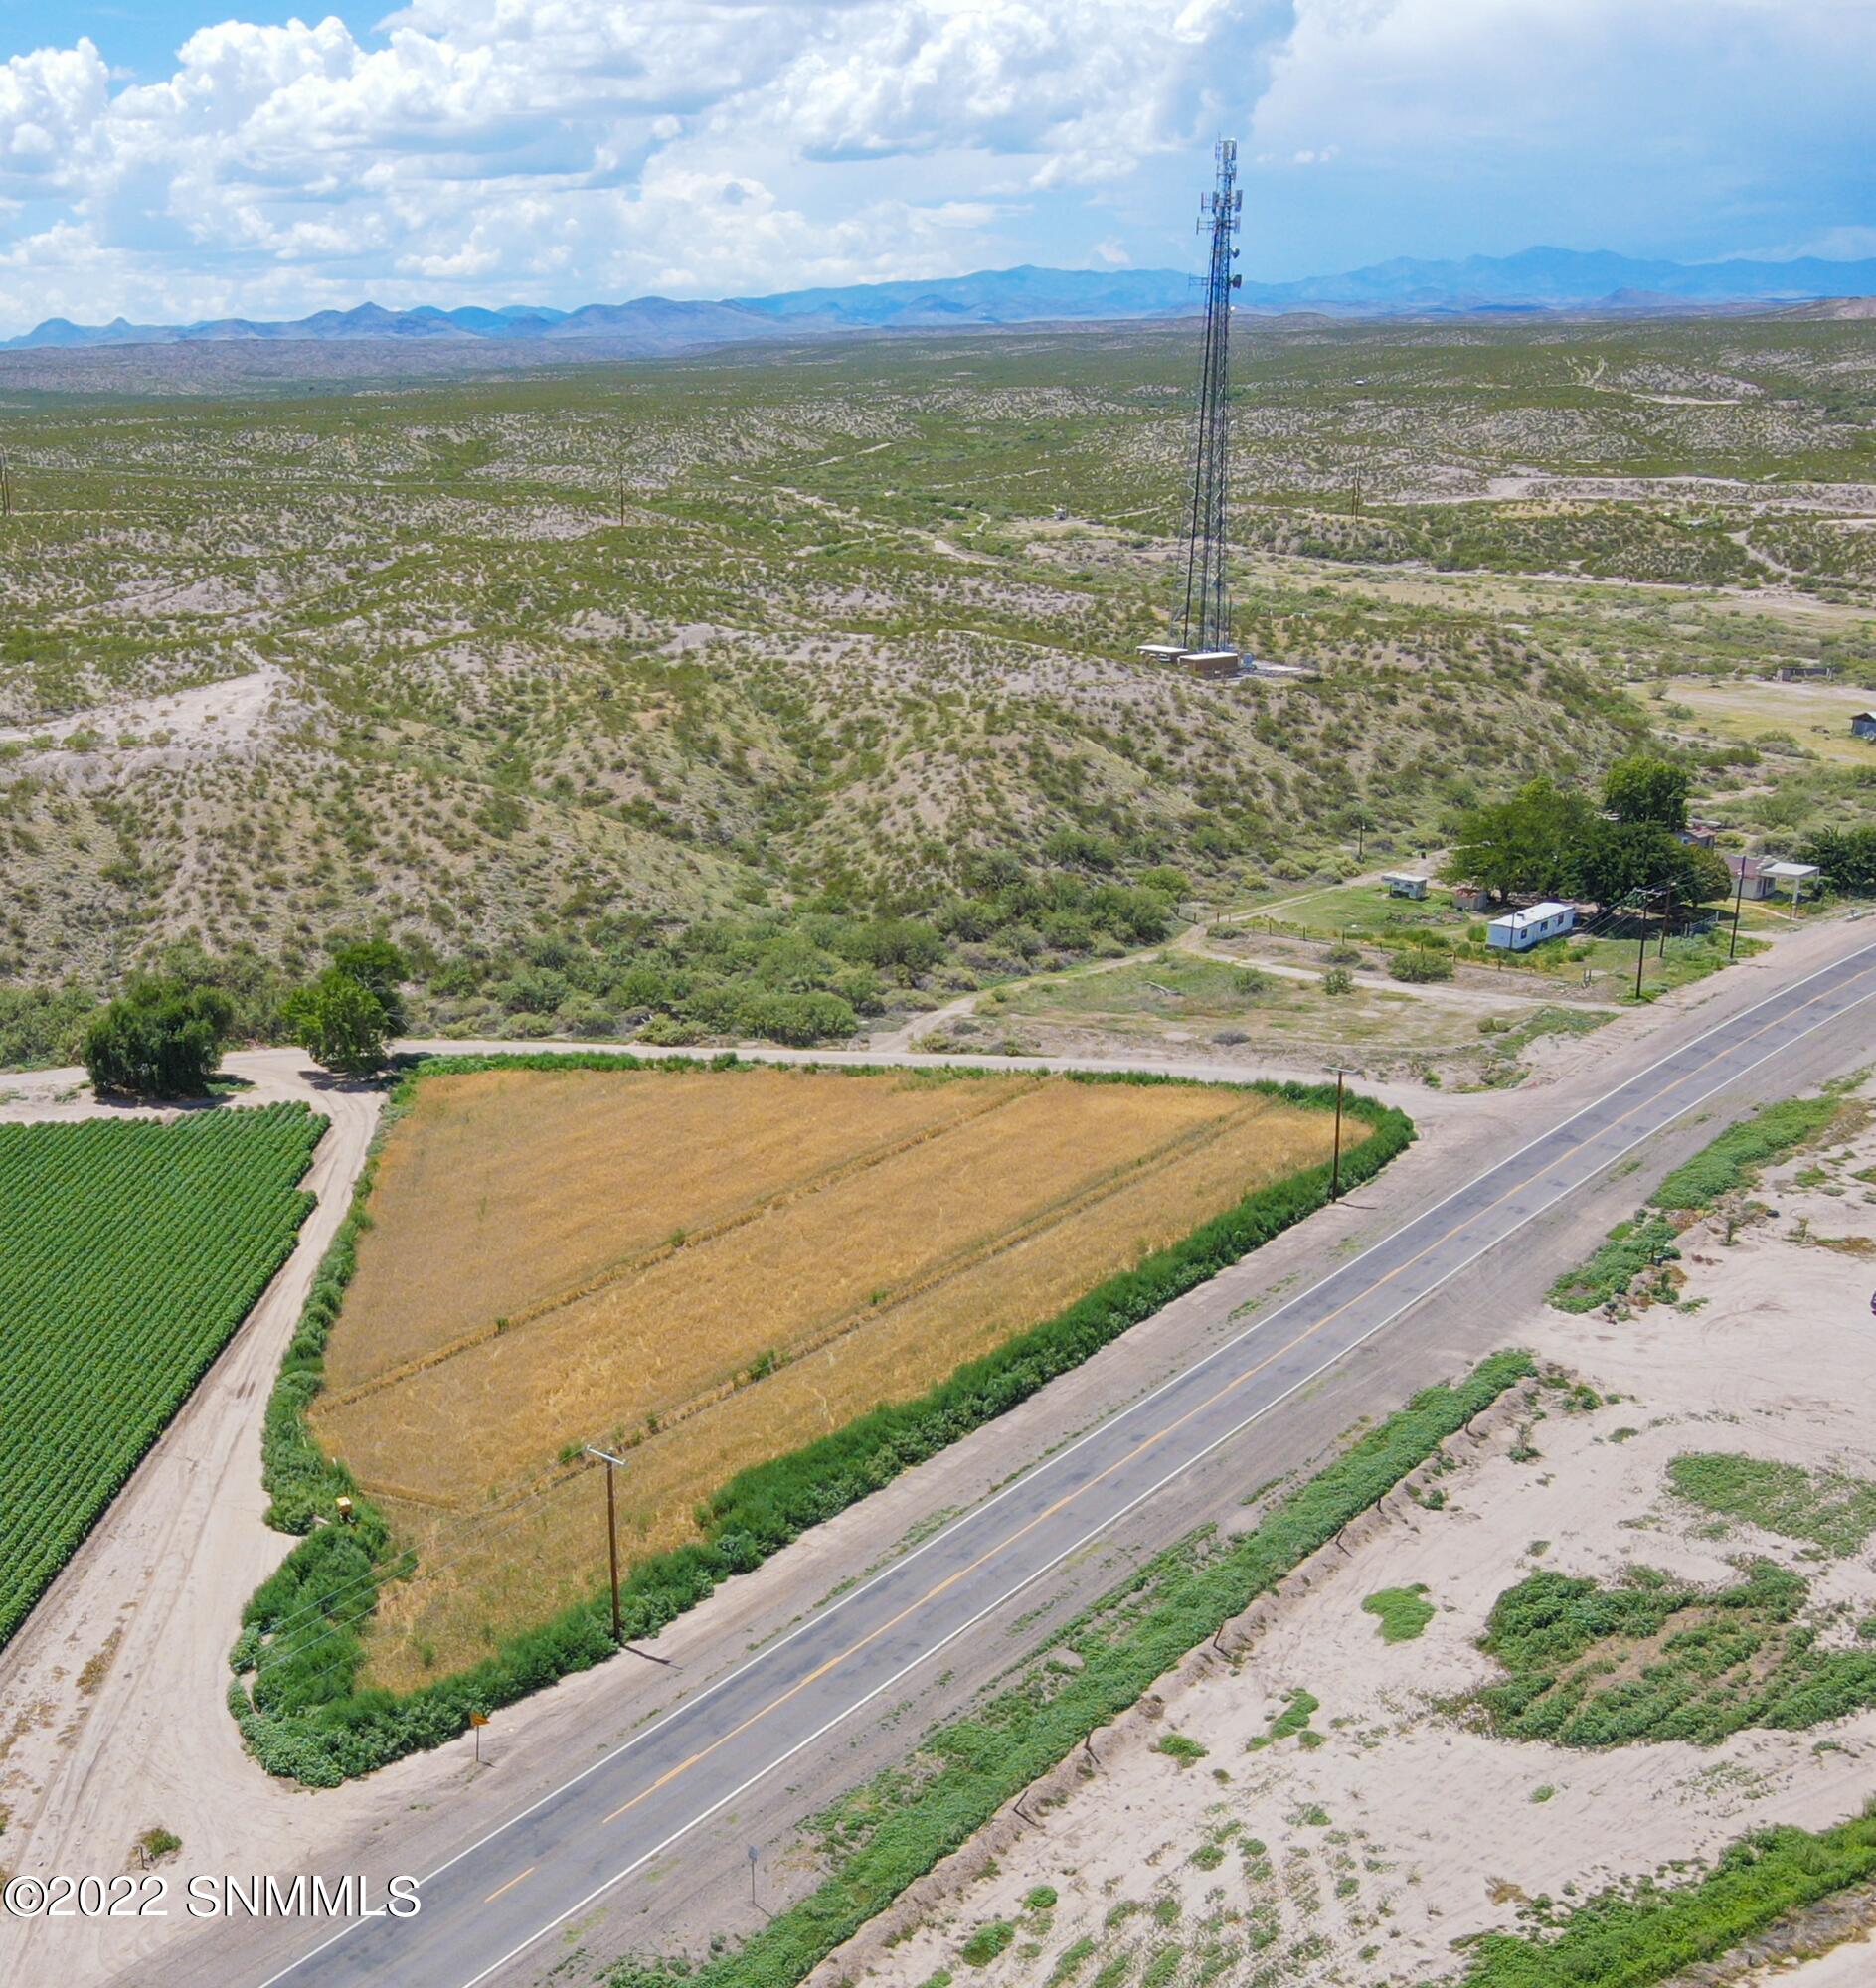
(1535,280)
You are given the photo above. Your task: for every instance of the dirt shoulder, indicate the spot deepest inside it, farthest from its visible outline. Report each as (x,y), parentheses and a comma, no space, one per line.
(1366,1843)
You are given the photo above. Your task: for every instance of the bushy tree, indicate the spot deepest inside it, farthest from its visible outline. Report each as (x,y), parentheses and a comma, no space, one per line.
(159,1039)
(1847,858)
(346,1018)
(1643,789)
(1526,845)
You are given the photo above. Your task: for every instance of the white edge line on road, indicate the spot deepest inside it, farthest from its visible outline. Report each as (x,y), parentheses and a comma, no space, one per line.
(1100,1427)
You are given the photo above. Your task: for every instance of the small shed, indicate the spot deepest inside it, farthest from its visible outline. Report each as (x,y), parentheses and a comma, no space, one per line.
(1698,834)
(1797,874)
(1518,931)
(1863,725)
(1470,896)
(1217,663)
(1404,884)
(1748,876)
(1160,652)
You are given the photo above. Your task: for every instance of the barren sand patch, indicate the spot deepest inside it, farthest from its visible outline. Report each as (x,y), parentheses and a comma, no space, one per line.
(1365,1841)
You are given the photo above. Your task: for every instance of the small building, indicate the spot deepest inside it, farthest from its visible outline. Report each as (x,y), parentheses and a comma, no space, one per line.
(1797,875)
(1518,931)
(1792,672)
(1698,834)
(1470,896)
(1748,876)
(1404,884)
(1160,652)
(1213,663)
(1863,725)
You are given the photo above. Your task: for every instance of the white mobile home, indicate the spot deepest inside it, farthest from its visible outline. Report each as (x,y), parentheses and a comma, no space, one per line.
(1516,931)
(1404,884)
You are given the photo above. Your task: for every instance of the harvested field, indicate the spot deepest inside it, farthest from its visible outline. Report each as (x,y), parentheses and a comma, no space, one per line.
(715,1268)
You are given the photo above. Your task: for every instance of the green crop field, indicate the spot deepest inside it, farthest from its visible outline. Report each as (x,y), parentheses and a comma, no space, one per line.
(129,1252)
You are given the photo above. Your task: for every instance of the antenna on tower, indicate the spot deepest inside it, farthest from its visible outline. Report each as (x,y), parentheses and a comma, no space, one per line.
(1201,621)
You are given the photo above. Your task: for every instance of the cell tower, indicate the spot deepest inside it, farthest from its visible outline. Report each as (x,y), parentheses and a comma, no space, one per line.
(1201,622)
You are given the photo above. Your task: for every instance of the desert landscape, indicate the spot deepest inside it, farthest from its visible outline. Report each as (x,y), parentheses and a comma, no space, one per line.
(1372,1775)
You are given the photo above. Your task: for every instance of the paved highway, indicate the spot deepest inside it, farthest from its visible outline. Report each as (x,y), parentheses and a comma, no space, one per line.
(486,1906)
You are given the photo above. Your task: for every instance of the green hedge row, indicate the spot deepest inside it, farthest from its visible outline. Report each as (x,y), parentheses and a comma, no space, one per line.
(303,1717)
(904,1824)
(1731,1161)
(1642,1934)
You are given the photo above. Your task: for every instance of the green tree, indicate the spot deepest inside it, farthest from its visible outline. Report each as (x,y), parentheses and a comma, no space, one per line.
(341,1022)
(1699,876)
(1641,788)
(159,1039)
(1847,856)
(378,966)
(1527,846)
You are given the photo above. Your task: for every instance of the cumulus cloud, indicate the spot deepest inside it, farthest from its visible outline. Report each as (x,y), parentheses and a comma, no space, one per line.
(568,150)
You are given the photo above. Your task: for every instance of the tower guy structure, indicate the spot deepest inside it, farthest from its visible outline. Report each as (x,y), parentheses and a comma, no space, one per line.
(1201,621)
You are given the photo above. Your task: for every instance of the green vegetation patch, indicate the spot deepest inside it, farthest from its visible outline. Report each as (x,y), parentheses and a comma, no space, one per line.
(1632,1250)
(1641,1933)
(899,1825)
(1645,1243)
(1735,1158)
(1657,1659)
(129,1252)
(1402,1611)
(1823,1507)
(1301,1707)
(301,1630)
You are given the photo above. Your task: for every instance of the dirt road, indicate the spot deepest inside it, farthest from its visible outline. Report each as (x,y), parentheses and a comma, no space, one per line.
(112,1718)
(90,1758)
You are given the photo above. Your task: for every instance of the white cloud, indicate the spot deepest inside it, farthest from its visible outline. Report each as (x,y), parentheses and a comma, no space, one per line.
(579,149)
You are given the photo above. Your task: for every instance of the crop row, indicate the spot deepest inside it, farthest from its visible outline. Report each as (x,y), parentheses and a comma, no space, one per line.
(129,1252)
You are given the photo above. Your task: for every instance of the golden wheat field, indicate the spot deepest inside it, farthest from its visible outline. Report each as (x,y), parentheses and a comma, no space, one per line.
(714,1268)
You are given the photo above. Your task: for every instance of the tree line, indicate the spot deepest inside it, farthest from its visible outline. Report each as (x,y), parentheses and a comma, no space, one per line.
(163,1037)
(1547,841)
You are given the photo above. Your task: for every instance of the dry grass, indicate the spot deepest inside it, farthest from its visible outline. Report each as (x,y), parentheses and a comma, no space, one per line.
(869,1233)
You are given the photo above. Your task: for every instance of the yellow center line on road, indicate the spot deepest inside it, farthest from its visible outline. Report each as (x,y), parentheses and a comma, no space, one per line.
(511,1884)
(1148,1442)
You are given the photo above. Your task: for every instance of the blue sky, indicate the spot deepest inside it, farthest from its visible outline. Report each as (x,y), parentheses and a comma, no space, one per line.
(170,158)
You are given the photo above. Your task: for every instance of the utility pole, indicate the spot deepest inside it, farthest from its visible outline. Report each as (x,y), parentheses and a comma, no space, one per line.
(1335,1165)
(611,1462)
(1739,898)
(6,487)
(1667,917)
(1641,950)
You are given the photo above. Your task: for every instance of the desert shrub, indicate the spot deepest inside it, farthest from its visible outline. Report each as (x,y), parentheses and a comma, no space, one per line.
(1732,1159)
(1339,980)
(1721,1659)
(1419,963)
(1402,1613)
(1638,1934)
(1631,1248)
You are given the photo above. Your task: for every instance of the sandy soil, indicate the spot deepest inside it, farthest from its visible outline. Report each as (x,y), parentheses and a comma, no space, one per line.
(1399,1831)
(219,717)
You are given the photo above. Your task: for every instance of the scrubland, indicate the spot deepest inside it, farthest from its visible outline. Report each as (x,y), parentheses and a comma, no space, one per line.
(640,696)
